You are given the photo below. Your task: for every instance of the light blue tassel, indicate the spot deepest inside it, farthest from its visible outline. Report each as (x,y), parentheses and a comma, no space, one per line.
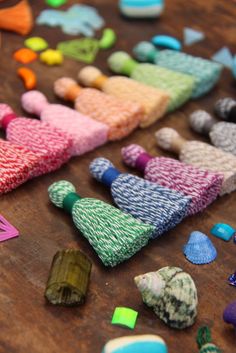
(149,202)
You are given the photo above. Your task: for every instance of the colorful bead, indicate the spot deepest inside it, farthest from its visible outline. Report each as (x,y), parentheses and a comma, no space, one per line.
(36,43)
(51,57)
(232,279)
(125,317)
(136,344)
(223,231)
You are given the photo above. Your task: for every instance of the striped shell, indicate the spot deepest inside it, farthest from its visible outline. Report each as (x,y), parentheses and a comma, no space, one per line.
(172,294)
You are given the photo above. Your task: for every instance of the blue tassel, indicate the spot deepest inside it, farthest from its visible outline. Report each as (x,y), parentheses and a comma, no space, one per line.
(149,202)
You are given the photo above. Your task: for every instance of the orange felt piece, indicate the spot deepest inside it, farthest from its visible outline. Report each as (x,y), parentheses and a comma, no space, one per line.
(28,77)
(25,55)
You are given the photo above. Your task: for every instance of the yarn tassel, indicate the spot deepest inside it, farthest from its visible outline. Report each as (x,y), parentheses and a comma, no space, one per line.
(86,134)
(178,86)
(17,18)
(152,204)
(52,147)
(202,186)
(204,341)
(225,109)
(122,117)
(222,134)
(153,101)
(201,155)
(114,235)
(206,73)
(17,165)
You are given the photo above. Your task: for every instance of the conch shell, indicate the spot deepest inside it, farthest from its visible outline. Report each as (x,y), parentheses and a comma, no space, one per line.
(172,294)
(17,18)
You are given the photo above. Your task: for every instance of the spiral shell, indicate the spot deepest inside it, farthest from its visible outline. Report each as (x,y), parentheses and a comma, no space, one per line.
(172,294)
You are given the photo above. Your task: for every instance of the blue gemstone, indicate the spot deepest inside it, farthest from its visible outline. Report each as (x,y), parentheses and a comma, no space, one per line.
(223,231)
(232,279)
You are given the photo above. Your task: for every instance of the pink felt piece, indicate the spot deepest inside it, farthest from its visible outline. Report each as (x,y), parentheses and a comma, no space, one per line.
(51,145)
(7,231)
(202,186)
(86,133)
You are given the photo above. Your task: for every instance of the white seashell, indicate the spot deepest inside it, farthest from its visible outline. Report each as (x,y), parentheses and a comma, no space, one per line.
(172,294)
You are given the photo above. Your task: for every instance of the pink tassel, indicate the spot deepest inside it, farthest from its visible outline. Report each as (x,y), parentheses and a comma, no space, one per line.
(86,134)
(17,165)
(51,145)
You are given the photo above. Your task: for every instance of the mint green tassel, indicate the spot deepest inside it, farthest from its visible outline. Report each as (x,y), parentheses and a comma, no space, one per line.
(114,235)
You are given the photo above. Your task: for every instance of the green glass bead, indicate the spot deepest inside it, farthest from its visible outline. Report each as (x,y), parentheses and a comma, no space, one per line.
(68,279)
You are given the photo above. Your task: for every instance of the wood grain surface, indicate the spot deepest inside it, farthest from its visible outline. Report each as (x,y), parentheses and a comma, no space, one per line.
(27,323)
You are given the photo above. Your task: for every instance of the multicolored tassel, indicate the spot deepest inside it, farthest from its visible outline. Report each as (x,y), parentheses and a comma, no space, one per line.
(202,186)
(114,235)
(222,134)
(153,101)
(86,134)
(206,73)
(150,203)
(52,146)
(122,117)
(17,165)
(178,86)
(200,155)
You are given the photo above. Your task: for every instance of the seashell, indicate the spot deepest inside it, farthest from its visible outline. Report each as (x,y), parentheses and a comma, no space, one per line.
(136,344)
(172,294)
(199,249)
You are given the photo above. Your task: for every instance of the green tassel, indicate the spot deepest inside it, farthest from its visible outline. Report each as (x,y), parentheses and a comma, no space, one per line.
(204,341)
(114,235)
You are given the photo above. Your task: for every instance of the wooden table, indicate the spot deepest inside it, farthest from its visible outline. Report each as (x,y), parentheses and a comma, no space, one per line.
(27,322)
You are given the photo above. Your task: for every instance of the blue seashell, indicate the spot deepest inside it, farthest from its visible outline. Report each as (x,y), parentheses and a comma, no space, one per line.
(223,231)
(136,344)
(200,250)
(167,42)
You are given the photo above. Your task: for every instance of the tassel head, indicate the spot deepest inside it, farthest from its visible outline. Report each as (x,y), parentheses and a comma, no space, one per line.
(66,88)
(131,153)
(223,108)
(103,170)
(121,63)
(34,102)
(201,121)
(88,75)
(58,192)
(5,111)
(145,52)
(165,138)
